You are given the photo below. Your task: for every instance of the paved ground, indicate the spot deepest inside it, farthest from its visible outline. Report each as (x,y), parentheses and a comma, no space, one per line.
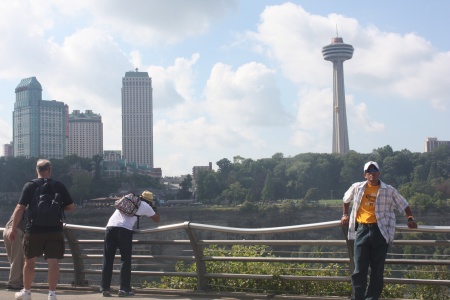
(86,294)
(71,293)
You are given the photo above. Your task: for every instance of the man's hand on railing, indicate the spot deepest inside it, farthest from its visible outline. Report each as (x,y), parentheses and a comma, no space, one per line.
(412,223)
(344,220)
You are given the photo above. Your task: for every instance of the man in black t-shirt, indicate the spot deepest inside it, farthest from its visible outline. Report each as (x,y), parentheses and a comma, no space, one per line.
(41,240)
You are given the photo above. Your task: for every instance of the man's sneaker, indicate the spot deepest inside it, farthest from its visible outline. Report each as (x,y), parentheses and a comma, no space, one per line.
(125,294)
(106,294)
(52,297)
(23,295)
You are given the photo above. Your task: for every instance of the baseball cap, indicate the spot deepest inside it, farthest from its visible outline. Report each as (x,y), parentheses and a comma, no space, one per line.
(370,163)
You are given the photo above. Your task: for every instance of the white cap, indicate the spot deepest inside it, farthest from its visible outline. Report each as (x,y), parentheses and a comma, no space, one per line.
(368,164)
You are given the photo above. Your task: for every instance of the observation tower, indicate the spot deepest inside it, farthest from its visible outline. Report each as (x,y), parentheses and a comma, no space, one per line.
(337,52)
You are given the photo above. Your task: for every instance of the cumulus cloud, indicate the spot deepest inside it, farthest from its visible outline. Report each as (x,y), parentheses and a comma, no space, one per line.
(245,97)
(152,22)
(173,85)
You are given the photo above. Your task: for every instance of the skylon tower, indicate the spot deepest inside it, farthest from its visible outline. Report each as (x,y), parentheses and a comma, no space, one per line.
(337,52)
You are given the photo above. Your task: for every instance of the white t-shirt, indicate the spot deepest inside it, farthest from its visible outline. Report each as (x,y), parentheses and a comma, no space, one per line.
(119,219)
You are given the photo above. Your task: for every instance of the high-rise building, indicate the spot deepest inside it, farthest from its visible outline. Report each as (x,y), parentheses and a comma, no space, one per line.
(137,119)
(85,134)
(40,127)
(337,52)
(431,143)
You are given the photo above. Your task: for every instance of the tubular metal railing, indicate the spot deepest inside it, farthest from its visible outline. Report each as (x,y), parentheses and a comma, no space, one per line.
(157,250)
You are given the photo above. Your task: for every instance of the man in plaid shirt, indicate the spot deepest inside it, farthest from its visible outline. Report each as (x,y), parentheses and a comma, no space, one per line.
(372,226)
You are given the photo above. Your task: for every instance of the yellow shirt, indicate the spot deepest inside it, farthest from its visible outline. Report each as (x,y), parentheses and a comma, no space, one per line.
(366,211)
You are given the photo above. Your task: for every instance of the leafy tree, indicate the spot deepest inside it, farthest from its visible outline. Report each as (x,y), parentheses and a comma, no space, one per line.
(207,187)
(444,188)
(311,195)
(80,188)
(421,201)
(381,153)
(234,194)
(185,188)
(420,173)
(268,191)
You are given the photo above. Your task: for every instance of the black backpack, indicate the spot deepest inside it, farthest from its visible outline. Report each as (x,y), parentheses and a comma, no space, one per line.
(45,208)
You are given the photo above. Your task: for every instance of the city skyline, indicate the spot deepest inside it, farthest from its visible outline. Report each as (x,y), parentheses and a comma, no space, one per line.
(237,78)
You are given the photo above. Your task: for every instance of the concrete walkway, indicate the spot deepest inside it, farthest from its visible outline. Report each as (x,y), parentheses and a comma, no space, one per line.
(88,293)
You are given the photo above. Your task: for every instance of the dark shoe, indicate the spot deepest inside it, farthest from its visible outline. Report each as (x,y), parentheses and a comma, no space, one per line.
(11,287)
(125,294)
(106,294)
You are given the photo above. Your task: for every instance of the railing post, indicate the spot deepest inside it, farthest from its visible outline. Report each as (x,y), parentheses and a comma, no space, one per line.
(78,265)
(350,248)
(202,282)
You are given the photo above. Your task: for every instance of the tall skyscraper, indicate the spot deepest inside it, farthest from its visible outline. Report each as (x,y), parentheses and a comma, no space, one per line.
(137,119)
(85,134)
(337,52)
(39,126)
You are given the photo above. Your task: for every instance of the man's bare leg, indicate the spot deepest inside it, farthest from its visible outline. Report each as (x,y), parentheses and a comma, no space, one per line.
(53,273)
(28,272)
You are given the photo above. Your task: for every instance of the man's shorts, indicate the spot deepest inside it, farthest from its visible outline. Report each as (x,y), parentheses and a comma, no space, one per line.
(50,244)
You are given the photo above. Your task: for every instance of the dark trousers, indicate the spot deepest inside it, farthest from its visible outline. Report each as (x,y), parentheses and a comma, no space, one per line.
(117,237)
(370,250)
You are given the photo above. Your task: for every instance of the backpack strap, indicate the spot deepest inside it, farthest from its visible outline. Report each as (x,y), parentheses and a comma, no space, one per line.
(138,217)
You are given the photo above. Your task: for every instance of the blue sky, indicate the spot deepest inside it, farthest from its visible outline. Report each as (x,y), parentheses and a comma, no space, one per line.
(237,78)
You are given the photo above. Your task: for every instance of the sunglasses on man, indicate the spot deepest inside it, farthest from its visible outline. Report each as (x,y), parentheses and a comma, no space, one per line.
(372,170)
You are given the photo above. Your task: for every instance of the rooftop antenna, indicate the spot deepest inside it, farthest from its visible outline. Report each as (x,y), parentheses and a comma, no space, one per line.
(337,33)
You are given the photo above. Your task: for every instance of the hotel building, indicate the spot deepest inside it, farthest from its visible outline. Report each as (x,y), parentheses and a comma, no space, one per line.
(85,134)
(40,127)
(137,119)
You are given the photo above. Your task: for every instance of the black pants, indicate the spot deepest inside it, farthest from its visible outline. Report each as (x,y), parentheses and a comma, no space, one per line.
(122,238)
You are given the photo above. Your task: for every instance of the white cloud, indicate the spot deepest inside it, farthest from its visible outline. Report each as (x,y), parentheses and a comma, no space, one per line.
(155,22)
(361,118)
(173,85)
(247,97)
(314,119)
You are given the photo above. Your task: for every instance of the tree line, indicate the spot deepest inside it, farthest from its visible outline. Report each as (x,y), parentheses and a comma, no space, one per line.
(82,177)
(422,178)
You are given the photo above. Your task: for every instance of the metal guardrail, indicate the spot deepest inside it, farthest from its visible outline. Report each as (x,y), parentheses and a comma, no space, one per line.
(84,259)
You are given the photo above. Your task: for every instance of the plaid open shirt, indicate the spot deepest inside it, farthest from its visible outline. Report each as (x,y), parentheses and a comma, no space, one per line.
(388,199)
